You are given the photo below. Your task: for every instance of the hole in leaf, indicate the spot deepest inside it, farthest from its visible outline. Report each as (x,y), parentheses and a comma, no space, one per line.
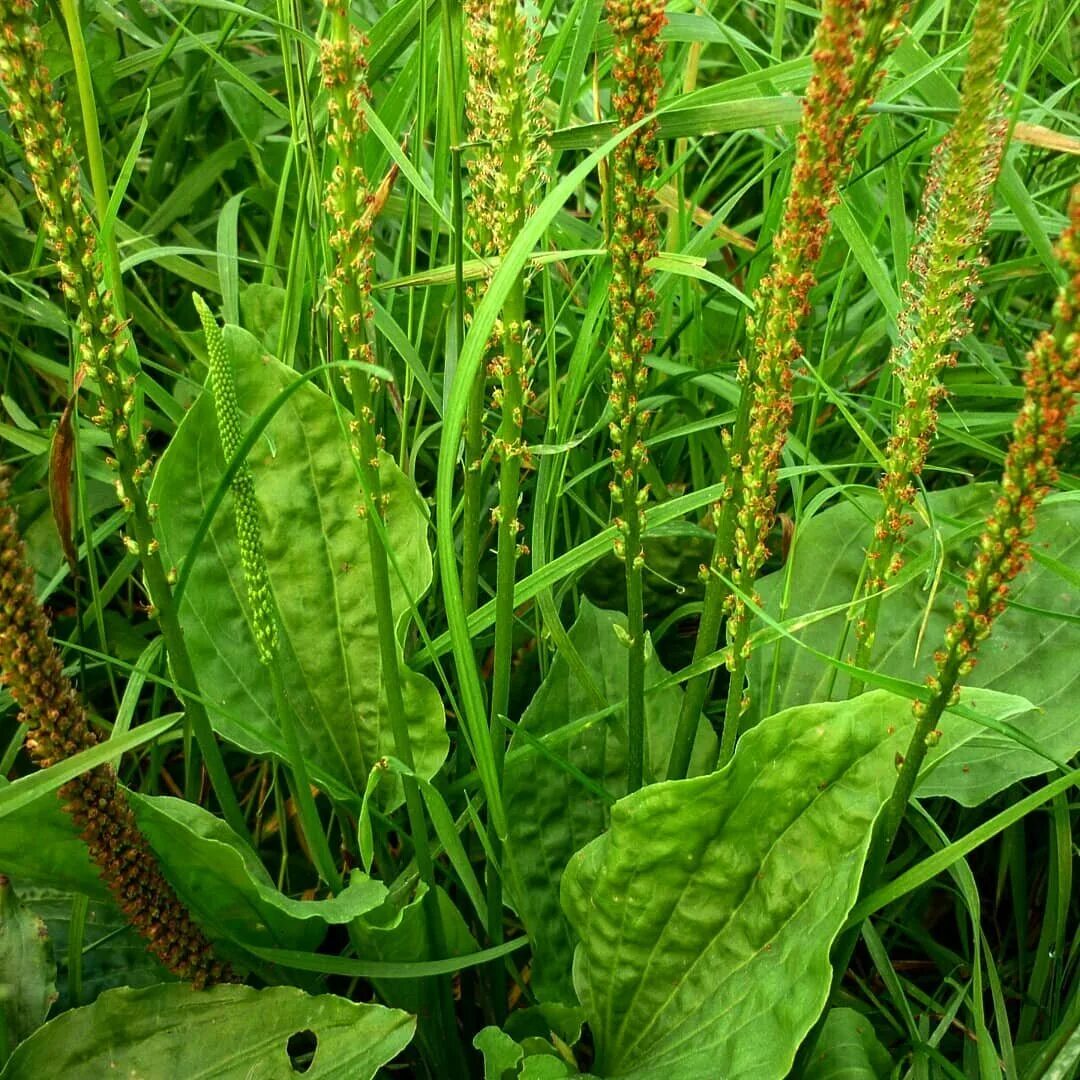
(301,1049)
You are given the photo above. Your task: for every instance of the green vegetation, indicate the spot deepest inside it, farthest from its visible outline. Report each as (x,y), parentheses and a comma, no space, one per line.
(539,541)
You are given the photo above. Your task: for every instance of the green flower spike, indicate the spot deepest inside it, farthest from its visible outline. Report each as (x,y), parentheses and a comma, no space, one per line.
(248,529)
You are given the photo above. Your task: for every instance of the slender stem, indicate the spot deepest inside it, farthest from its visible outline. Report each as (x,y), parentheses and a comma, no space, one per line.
(869,619)
(388,646)
(474,422)
(508,526)
(633,238)
(505,576)
(96,158)
(736,698)
(472,507)
(635,669)
(712,617)
(80,906)
(395,707)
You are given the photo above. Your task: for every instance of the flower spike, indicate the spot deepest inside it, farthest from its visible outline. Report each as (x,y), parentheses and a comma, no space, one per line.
(1051,386)
(634,242)
(59,728)
(944,272)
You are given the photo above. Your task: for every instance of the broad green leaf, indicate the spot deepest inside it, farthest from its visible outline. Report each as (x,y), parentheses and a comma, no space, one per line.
(502,1055)
(1031,653)
(113,953)
(249,117)
(398,932)
(848,1049)
(229,891)
(317,552)
(531,1059)
(550,1022)
(228,1033)
(214,872)
(57,856)
(551,813)
(261,310)
(545,1067)
(27,969)
(706,913)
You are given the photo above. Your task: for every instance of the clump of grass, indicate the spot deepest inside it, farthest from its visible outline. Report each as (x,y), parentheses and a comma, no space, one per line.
(575,353)
(103,338)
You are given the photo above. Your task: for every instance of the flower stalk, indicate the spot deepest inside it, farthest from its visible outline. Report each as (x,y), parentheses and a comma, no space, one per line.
(852,41)
(944,272)
(104,341)
(351,208)
(59,728)
(1051,385)
(503,107)
(634,241)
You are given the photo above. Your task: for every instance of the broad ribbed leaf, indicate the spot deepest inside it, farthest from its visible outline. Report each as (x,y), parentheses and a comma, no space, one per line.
(228,1033)
(57,856)
(229,891)
(1031,653)
(317,552)
(398,932)
(27,968)
(706,912)
(531,1059)
(551,813)
(502,1055)
(848,1049)
(114,953)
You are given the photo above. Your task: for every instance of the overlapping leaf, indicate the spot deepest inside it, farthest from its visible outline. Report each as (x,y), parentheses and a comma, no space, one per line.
(230,1033)
(317,552)
(229,891)
(1031,653)
(551,812)
(113,952)
(27,968)
(848,1049)
(705,914)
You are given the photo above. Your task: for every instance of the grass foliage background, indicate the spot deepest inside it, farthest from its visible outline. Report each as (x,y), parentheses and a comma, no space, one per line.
(210,175)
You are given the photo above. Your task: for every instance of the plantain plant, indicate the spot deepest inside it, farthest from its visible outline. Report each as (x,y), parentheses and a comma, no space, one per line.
(626,721)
